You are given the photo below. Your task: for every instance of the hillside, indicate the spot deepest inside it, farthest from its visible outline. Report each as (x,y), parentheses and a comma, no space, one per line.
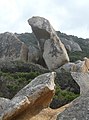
(77,52)
(17,70)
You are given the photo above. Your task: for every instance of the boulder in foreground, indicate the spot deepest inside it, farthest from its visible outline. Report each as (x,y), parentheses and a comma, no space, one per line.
(29,101)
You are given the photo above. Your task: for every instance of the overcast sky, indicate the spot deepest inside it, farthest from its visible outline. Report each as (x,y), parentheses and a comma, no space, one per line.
(68,16)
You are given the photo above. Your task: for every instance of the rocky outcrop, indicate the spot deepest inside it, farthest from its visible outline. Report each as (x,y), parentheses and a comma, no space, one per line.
(33,54)
(81,66)
(86,62)
(3,103)
(11,48)
(32,98)
(78,66)
(82,80)
(71,45)
(34,50)
(54,52)
(67,67)
(48,113)
(79,109)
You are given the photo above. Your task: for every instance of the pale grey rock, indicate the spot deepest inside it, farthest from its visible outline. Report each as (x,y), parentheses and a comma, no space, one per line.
(33,54)
(33,45)
(71,45)
(78,110)
(81,66)
(36,95)
(14,107)
(78,66)
(3,103)
(40,84)
(86,62)
(68,67)
(11,48)
(82,80)
(54,52)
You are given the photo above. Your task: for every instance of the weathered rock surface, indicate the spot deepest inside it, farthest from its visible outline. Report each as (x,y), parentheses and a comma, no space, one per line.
(67,67)
(81,66)
(78,66)
(79,109)
(71,45)
(46,114)
(33,54)
(11,48)
(86,62)
(34,50)
(3,103)
(14,107)
(54,52)
(33,97)
(82,80)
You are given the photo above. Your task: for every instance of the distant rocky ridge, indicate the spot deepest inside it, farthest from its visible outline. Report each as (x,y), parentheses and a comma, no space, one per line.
(71,45)
(11,48)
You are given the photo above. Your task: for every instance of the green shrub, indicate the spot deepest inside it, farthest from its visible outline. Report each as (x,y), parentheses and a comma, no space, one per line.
(64,94)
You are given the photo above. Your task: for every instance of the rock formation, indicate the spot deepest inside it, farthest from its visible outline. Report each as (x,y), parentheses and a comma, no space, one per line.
(34,50)
(54,52)
(33,54)
(32,102)
(78,66)
(3,103)
(86,62)
(67,67)
(34,97)
(79,109)
(71,45)
(11,48)
(82,80)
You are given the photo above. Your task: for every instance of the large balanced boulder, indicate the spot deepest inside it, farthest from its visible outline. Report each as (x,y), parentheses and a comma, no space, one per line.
(53,50)
(29,101)
(11,48)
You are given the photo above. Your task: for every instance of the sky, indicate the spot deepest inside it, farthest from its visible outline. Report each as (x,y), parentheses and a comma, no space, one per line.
(68,16)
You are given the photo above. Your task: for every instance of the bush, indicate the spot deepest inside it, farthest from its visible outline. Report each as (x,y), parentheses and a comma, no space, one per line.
(62,97)
(13,82)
